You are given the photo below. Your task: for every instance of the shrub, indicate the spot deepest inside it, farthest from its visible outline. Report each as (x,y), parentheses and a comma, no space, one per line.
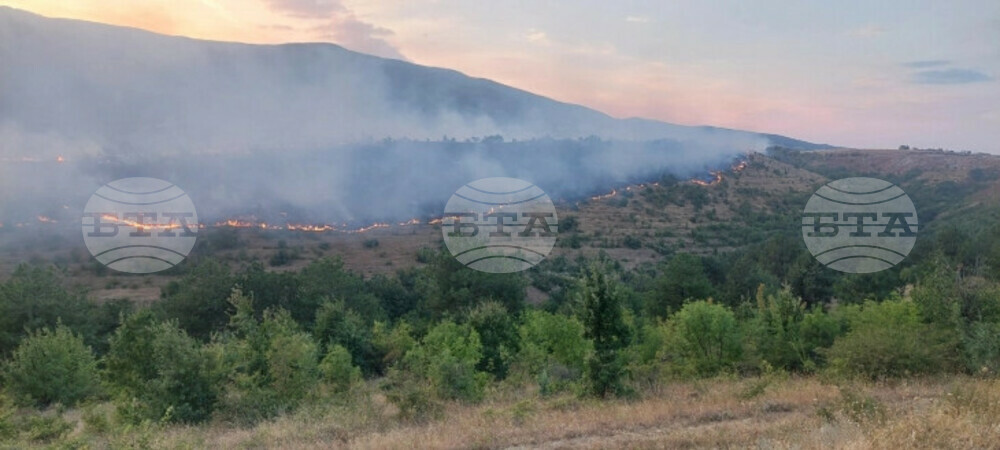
(553,347)
(34,298)
(272,363)
(604,324)
(337,370)
(160,373)
(336,324)
(447,358)
(52,366)
(498,335)
(981,343)
(392,344)
(703,339)
(888,339)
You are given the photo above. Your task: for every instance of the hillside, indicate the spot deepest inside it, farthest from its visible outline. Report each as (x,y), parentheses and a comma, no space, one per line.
(759,196)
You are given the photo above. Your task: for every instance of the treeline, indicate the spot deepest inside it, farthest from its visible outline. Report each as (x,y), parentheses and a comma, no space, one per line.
(246,345)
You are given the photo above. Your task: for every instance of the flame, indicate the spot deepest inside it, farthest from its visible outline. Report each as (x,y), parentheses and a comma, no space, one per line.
(613,193)
(45,219)
(60,159)
(140,225)
(371,227)
(716,180)
(310,228)
(413,221)
(738,167)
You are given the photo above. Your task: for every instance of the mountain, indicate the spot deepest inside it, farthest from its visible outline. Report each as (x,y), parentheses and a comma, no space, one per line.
(313,130)
(127,89)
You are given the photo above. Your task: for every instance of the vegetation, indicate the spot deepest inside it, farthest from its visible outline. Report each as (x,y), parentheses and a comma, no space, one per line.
(696,339)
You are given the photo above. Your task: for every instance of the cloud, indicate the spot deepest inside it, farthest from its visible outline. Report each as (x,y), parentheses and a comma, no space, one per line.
(339,25)
(868,31)
(926,63)
(537,36)
(306,8)
(360,36)
(950,76)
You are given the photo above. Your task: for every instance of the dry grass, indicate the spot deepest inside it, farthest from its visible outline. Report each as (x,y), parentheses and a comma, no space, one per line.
(954,412)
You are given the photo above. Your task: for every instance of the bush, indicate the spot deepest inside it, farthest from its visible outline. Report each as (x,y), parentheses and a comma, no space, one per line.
(498,335)
(446,358)
(604,324)
(392,344)
(336,324)
(703,339)
(553,348)
(160,373)
(34,298)
(272,363)
(337,370)
(981,343)
(52,367)
(888,339)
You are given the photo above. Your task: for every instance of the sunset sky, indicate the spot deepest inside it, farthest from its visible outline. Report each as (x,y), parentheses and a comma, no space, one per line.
(853,73)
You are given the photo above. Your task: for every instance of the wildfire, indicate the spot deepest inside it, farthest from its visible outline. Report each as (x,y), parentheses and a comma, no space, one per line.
(45,219)
(717,178)
(310,228)
(60,159)
(613,193)
(738,167)
(315,228)
(140,225)
(371,227)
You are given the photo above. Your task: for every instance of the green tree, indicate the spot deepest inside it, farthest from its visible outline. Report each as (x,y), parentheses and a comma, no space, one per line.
(271,362)
(34,298)
(498,335)
(888,339)
(683,279)
(159,372)
(52,366)
(604,324)
(336,324)
(337,370)
(199,300)
(704,339)
(446,358)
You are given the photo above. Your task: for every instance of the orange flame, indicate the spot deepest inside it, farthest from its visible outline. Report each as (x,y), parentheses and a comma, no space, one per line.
(140,225)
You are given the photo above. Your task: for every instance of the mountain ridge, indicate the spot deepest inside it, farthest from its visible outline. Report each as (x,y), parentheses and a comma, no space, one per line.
(423,101)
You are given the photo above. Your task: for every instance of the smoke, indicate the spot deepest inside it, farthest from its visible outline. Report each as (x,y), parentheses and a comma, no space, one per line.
(312,130)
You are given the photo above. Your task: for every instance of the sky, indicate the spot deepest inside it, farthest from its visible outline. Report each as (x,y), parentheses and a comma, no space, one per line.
(861,74)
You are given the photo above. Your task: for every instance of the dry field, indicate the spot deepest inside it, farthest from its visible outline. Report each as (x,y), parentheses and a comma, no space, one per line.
(773,412)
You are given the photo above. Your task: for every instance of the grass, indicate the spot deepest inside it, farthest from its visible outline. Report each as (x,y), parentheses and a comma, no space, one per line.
(796,412)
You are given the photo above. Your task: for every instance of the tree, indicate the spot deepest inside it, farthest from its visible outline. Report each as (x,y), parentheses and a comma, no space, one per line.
(159,372)
(683,279)
(336,324)
(499,337)
(446,359)
(604,324)
(34,298)
(199,301)
(52,366)
(704,338)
